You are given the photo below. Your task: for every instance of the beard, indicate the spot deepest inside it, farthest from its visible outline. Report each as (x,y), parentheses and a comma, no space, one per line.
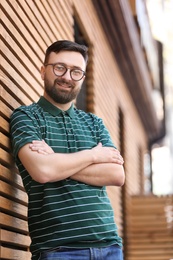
(59,95)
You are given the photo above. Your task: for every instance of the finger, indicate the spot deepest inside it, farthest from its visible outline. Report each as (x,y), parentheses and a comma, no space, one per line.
(117,161)
(37,141)
(37,147)
(42,152)
(121,160)
(118,158)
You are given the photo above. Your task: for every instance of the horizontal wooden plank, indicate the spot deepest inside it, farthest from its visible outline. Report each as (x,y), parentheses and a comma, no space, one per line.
(34,39)
(29,85)
(48,16)
(162,251)
(155,204)
(148,211)
(13,254)
(149,221)
(6,158)
(157,210)
(152,229)
(140,240)
(151,247)
(149,236)
(22,57)
(157,257)
(31,11)
(5,142)
(14,239)
(13,208)
(21,53)
(12,223)
(13,193)
(44,19)
(136,200)
(11,176)
(4,125)
(167,256)
(37,21)
(5,111)
(64,21)
(66,9)
(148,218)
(17,97)
(153,225)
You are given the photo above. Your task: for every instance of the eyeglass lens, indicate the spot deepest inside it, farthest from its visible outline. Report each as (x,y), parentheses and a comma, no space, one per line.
(60,70)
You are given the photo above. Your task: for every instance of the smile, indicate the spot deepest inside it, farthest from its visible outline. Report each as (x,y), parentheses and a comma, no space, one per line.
(64,86)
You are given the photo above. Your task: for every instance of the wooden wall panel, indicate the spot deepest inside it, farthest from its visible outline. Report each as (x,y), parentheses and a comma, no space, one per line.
(109,93)
(27,28)
(150,231)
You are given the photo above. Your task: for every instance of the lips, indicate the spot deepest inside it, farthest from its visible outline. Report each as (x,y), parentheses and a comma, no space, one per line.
(63,84)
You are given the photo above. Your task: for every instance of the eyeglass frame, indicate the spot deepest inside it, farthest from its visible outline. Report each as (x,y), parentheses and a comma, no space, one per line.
(67,68)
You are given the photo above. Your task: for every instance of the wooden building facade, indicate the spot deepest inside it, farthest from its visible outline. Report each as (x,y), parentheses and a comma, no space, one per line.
(118,88)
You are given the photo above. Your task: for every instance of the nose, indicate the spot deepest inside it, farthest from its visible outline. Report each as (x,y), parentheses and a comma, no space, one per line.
(67,75)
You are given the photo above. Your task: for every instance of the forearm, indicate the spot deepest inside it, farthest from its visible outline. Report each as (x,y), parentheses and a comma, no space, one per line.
(46,166)
(102,174)
(54,167)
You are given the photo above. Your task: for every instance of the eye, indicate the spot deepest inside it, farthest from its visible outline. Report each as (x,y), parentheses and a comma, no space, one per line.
(77,72)
(59,67)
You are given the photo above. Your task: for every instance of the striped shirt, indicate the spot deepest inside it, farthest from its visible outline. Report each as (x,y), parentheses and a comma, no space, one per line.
(63,213)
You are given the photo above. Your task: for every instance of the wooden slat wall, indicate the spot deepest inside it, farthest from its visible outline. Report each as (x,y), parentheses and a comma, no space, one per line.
(28,27)
(150,231)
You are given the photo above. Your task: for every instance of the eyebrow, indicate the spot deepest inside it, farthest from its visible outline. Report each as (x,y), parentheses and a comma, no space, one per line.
(75,67)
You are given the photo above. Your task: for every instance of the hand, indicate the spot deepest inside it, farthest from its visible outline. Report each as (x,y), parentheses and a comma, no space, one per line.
(41,147)
(107,155)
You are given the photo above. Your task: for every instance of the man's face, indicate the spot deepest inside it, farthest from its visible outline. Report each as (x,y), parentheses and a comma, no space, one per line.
(63,89)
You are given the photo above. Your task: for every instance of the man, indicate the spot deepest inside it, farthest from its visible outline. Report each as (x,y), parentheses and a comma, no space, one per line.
(66,158)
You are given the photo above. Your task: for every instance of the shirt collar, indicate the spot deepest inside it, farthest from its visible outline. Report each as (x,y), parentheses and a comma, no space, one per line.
(53,110)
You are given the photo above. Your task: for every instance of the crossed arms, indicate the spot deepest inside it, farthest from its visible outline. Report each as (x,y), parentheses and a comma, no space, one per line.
(99,166)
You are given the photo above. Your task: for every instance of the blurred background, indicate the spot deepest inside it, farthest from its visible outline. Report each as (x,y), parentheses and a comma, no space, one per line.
(161,20)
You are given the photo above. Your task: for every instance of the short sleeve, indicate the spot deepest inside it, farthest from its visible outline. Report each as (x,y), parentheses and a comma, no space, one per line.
(104,135)
(23,129)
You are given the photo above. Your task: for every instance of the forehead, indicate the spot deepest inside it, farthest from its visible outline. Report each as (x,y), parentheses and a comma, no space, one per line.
(70,58)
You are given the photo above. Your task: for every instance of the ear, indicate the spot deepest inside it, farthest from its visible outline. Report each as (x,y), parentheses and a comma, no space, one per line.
(42,72)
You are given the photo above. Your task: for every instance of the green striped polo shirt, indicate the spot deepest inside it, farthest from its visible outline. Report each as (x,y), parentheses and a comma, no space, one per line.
(64,213)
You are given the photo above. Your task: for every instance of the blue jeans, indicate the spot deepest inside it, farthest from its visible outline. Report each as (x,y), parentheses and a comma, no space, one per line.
(105,253)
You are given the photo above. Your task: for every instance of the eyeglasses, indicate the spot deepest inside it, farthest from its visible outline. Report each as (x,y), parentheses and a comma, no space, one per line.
(60,69)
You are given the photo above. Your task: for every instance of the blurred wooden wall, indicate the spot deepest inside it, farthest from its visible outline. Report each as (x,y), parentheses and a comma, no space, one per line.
(150,232)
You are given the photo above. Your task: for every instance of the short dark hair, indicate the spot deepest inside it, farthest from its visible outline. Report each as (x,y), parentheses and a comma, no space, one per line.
(65,45)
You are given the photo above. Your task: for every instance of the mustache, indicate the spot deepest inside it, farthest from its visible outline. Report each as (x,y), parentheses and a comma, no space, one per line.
(63,81)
